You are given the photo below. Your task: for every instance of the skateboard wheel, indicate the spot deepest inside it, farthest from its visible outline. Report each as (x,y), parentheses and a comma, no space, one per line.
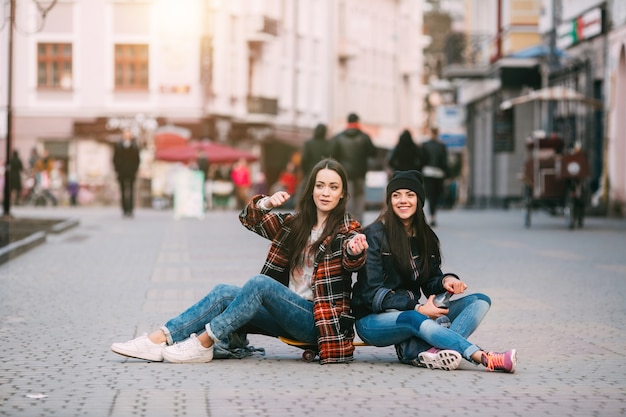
(308,355)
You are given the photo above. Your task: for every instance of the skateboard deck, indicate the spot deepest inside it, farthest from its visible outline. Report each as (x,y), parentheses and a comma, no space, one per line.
(310,350)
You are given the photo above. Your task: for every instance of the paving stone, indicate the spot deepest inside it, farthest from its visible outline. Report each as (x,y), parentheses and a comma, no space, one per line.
(557,296)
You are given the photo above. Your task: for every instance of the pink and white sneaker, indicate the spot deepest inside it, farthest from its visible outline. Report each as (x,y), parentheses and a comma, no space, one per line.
(445,359)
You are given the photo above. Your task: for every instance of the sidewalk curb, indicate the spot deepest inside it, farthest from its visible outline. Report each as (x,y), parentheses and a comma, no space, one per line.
(64,225)
(21,246)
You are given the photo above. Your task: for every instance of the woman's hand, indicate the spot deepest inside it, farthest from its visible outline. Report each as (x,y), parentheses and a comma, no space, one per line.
(430,310)
(454,285)
(357,244)
(277,199)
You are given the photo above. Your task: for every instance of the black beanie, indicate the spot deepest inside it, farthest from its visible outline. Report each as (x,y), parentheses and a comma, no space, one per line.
(410,180)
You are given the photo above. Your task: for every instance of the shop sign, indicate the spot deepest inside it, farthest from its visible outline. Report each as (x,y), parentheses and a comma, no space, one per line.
(451,123)
(583,27)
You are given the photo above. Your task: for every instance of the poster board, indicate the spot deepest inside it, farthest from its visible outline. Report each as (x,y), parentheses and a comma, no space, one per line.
(189,194)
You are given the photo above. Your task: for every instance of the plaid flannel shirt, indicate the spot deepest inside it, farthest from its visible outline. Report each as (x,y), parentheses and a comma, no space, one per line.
(332,276)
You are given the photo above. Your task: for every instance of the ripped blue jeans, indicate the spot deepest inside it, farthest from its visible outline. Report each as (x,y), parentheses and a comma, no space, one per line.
(465,314)
(263,305)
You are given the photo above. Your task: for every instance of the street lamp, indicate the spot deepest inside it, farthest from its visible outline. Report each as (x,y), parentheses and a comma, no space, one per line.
(6,204)
(43,10)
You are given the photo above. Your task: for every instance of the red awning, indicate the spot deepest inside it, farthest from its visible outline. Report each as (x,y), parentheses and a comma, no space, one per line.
(216,153)
(169,140)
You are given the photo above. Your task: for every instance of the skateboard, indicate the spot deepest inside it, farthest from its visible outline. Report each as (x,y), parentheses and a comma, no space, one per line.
(310,350)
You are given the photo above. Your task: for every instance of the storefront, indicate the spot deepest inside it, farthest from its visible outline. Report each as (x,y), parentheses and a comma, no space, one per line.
(615,180)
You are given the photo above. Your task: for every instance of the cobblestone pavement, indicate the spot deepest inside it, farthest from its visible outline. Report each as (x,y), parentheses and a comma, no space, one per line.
(558,297)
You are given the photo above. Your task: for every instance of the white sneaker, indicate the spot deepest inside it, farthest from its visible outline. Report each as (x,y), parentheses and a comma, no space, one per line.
(141,347)
(188,351)
(435,358)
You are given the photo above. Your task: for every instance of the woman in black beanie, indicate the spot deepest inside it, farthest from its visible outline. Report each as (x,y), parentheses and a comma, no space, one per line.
(404,262)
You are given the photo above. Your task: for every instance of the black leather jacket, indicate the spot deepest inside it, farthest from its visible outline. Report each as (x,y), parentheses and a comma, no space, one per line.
(353,148)
(380,286)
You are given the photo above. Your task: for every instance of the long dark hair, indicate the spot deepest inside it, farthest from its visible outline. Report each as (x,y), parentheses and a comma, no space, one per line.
(406,154)
(306,212)
(399,245)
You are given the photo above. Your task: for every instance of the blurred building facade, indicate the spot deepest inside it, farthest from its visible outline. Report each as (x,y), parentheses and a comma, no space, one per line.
(258,75)
(614,181)
(501,49)
(475,73)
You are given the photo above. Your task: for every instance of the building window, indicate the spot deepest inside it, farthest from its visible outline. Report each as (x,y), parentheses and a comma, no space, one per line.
(131,66)
(54,65)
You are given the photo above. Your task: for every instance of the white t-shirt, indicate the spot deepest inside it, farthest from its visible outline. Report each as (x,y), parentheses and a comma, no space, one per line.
(301,275)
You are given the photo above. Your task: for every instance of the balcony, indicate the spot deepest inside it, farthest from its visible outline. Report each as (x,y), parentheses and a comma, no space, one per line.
(262,105)
(346,50)
(261,28)
(468,56)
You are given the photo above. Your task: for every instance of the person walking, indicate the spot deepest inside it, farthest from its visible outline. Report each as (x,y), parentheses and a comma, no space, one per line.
(126,164)
(240,176)
(406,155)
(33,158)
(43,175)
(16,167)
(404,261)
(315,149)
(435,172)
(353,148)
(202,164)
(302,292)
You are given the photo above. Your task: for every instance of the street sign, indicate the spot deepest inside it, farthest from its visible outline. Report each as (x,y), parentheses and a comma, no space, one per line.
(451,124)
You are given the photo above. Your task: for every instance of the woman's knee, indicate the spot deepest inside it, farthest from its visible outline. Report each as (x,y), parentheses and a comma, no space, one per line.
(260,281)
(226,290)
(224,287)
(411,318)
(482,297)
(428,328)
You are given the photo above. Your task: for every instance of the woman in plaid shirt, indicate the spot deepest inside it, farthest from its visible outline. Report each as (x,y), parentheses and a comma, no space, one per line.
(303,290)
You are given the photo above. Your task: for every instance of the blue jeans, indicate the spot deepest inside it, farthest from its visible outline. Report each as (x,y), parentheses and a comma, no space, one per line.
(262,306)
(465,314)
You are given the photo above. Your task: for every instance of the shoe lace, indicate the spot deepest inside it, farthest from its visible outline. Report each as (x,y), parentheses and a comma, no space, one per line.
(187,344)
(494,361)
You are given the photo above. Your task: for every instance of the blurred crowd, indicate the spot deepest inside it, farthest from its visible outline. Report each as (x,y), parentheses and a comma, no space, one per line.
(40,180)
(43,180)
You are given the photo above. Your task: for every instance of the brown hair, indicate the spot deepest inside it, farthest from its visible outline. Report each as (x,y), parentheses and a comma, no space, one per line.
(305,216)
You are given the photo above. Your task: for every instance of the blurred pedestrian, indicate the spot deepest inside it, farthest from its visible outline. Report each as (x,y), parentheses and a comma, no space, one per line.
(222,189)
(404,261)
(289,178)
(435,172)
(301,290)
(260,183)
(33,158)
(202,164)
(287,181)
(315,149)
(43,175)
(72,189)
(126,164)
(240,175)
(16,167)
(353,148)
(406,155)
